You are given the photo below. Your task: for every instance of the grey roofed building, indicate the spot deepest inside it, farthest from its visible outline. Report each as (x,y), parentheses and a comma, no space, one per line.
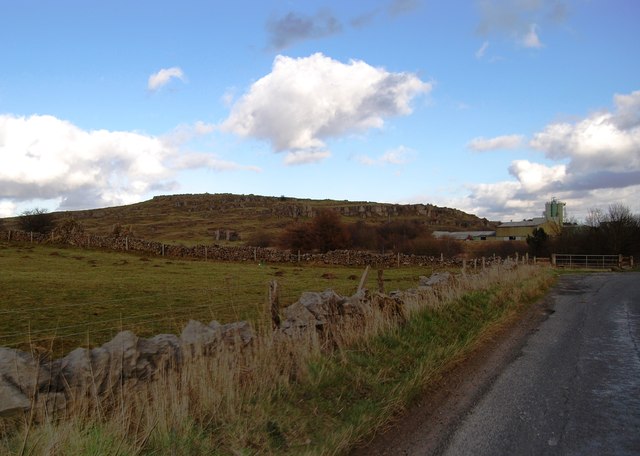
(537,221)
(464,235)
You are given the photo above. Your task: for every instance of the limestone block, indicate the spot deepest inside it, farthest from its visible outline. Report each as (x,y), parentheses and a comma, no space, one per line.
(12,401)
(296,317)
(240,331)
(123,354)
(437,278)
(199,337)
(156,354)
(23,371)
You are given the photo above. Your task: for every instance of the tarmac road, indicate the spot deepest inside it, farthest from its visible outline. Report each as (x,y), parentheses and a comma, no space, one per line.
(575,388)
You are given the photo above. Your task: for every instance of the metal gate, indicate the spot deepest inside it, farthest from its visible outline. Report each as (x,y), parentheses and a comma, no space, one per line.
(586,261)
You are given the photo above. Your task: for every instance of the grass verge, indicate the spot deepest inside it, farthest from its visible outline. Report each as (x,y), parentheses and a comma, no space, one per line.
(319,394)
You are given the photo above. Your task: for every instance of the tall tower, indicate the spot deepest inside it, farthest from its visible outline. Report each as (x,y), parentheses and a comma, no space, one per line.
(554,211)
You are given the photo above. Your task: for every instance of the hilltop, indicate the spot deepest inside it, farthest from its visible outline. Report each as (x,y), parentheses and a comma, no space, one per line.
(203,218)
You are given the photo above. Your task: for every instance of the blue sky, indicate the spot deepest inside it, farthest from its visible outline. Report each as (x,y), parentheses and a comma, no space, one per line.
(490,106)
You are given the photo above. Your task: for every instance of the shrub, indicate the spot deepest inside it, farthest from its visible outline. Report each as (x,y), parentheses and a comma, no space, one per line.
(324,233)
(430,246)
(119,230)
(260,239)
(499,248)
(70,226)
(329,231)
(537,242)
(364,236)
(36,220)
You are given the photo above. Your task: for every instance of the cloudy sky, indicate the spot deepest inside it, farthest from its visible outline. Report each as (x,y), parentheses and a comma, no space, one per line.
(489,106)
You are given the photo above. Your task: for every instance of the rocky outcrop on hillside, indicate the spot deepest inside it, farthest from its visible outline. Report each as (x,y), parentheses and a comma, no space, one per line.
(228,217)
(295,208)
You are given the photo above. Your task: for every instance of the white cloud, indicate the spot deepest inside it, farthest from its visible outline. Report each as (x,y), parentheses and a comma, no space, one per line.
(303,157)
(519,20)
(7,208)
(293,28)
(228,96)
(51,159)
(628,110)
(603,141)
(186,132)
(194,160)
(531,39)
(401,155)
(366,160)
(599,165)
(498,143)
(305,101)
(482,50)
(162,77)
(534,177)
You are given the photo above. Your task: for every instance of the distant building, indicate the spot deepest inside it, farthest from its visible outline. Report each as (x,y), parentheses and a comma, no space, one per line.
(465,235)
(551,221)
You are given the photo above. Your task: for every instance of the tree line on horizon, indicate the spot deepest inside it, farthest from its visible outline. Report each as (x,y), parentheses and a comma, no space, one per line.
(611,232)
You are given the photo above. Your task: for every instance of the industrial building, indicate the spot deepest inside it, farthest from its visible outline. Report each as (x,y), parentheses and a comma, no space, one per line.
(551,221)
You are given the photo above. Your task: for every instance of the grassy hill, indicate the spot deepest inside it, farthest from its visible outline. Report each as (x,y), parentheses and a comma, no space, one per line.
(207,218)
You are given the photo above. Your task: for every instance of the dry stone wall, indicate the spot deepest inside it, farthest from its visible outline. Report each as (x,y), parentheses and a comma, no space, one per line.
(128,359)
(234,254)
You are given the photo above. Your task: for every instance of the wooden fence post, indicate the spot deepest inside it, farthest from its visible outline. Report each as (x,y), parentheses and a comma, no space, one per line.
(363,279)
(398,259)
(163,249)
(31,233)
(126,243)
(483,264)
(380,280)
(274,304)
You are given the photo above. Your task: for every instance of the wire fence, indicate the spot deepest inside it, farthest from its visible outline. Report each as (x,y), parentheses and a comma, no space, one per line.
(62,327)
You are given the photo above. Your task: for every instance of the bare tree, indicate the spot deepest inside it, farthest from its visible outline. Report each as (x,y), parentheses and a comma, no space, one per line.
(594,218)
(619,226)
(36,220)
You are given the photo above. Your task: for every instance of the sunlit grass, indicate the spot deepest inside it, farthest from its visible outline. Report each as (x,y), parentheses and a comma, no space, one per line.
(59,298)
(318,394)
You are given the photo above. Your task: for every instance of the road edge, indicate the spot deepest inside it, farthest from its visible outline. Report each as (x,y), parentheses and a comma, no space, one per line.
(427,424)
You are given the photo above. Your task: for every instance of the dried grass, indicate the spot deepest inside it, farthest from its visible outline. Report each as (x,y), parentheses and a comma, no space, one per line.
(280,395)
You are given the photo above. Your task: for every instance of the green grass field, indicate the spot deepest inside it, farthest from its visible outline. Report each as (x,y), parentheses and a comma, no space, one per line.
(318,394)
(59,298)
